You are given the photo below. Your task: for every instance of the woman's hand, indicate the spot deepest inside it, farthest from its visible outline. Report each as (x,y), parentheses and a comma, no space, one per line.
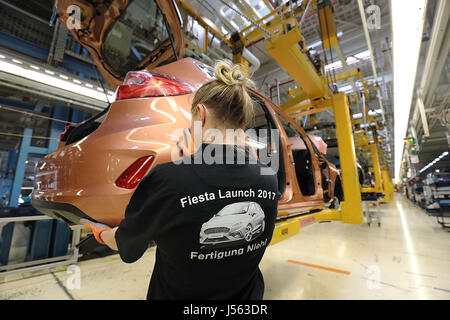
(103,233)
(109,238)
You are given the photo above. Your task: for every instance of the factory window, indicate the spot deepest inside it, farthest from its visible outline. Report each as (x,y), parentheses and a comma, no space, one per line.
(138,32)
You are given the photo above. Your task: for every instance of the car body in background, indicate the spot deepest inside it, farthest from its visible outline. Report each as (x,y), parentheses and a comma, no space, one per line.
(327,132)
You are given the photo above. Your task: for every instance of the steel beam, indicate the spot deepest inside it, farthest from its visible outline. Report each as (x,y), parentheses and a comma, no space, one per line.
(284,49)
(351,208)
(376,168)
(388,187)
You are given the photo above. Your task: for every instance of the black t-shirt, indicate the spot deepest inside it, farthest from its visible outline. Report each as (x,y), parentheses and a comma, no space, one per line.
(211,224)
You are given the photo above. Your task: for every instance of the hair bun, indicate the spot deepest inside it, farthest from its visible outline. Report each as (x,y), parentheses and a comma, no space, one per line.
(229,73)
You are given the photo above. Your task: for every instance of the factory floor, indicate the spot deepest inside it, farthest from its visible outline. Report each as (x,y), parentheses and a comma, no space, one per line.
(407,258)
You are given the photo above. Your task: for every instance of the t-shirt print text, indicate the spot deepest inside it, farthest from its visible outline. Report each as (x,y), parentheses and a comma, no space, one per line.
(228,194)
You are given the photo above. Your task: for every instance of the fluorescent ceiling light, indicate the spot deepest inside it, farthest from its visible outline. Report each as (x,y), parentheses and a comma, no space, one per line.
(432,163)
(407,29)
(52,81)
(350,60)
(363,55)
(319,43)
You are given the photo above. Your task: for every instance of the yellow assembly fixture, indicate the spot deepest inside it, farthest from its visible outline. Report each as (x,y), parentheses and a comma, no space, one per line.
(286,52)
(327,25)
(308,107)
(203,21)
(388,187)
(351,209)
(376,168)
(291,226)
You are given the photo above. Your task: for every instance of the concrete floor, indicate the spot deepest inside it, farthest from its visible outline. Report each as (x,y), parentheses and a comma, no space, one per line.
(407,258)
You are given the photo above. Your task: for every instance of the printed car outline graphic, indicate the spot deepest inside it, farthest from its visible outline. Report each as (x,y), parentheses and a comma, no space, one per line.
(234,222)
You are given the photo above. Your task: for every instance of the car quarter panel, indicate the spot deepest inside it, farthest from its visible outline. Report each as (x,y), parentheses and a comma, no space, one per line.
(83,174)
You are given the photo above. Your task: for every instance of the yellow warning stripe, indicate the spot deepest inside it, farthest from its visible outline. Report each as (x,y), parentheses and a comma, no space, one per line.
(21,135)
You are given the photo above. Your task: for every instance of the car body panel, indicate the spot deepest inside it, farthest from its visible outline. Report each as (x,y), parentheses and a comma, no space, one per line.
(293,200)
(83,174)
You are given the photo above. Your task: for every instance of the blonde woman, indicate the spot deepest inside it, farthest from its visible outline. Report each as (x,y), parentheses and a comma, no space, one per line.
(212,232)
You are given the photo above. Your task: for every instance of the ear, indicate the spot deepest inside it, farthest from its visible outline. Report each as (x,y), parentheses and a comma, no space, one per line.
(201,113)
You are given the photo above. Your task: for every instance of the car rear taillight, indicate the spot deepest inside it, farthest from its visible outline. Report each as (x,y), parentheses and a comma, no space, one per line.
(142,84)
(63,136)
(131,177)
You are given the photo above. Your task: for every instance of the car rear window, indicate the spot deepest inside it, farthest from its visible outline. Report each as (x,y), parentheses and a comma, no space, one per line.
(138,32)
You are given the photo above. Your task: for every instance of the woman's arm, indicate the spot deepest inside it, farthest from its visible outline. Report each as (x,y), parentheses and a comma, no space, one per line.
(108,237)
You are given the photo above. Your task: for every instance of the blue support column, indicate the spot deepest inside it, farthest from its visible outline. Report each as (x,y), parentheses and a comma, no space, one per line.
(19,173)
(6,179)
(61,113)
(77,47)
(5,242)
(39,244)
(78,116)
(11,164)
(60,239)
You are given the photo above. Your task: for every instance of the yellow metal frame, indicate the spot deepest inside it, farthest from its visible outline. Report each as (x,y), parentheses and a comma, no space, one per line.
(285,50)
(376,168)
(290,227)
(351,206)
(328,27)
(307,107)
(371,150)
(203,21)
(388,187)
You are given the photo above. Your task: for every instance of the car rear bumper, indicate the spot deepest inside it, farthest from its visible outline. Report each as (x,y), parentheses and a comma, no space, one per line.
(58,210)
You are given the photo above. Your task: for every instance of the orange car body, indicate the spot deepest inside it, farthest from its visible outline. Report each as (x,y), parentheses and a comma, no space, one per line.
(78,180)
